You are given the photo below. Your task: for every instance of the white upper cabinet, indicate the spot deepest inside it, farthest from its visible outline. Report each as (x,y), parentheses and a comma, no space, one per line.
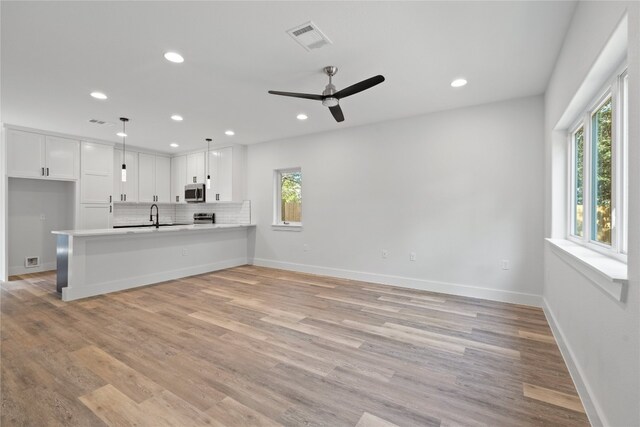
(178,178)
(221,171)
(125,191)
(25,154)
(146,178)
(62,158)
(33,155)
(96,173)
(195,168)
(163,179)
(154,178)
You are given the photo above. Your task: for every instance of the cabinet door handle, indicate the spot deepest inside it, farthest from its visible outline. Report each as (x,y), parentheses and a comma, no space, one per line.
(125,197)
(217,196)
(47,171)
(110,209)
(42,171)
(121,197)
(110,199)
(177,199)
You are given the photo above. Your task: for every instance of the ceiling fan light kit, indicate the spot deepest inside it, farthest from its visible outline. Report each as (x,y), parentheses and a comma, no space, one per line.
(330,97)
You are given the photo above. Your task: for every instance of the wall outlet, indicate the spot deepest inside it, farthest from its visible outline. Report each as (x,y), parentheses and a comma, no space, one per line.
(185,252)
(42,217)
(504,264)
(412,256)
(305,247)
(385,254)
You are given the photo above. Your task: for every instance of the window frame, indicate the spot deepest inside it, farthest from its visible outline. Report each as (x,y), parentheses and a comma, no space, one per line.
(277,199)
(572,182)
(619,180)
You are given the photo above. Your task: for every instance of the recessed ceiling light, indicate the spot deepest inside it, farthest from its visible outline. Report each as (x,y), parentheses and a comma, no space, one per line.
(121,134)
(174,145)
(174,57)
(458,83)
(176,117)
(98,95)
(302,116)
(229,132)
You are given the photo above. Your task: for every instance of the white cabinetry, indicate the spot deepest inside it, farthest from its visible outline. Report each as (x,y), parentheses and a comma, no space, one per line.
(195,168)
(33,155)
(221,171)
(178,178)
(95,216)
(125,191)
(154,178)
(96,177)
(96,185)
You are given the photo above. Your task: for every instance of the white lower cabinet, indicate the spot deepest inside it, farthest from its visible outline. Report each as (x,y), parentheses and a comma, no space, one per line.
(95,216)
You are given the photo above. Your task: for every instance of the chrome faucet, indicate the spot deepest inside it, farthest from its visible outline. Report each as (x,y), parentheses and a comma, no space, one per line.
(157,223)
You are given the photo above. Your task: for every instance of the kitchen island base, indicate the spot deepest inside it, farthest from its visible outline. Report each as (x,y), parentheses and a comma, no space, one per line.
(102,261)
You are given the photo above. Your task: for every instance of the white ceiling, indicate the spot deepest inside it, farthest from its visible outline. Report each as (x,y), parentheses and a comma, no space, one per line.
(55,53)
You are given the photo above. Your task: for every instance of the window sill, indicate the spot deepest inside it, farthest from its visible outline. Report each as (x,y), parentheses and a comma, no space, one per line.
(607,273)
(286,227)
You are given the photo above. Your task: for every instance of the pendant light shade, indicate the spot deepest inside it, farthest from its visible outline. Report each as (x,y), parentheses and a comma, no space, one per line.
(124,121)
(208,171)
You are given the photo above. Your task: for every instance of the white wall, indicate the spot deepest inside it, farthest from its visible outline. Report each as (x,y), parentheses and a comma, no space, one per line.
(30,235)
(600,335)
(462,188)
(4,255)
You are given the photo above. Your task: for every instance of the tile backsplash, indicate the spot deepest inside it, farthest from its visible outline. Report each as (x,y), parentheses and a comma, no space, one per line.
(138,213)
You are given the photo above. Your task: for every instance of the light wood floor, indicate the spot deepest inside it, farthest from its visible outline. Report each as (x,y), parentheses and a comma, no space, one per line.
(257,346)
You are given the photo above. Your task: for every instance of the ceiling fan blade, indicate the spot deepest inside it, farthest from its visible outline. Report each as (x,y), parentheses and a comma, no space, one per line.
(297,95)
(337,113)
(358,87)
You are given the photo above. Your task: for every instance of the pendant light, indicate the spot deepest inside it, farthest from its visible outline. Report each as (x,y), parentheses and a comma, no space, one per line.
(208,170)
(124,120)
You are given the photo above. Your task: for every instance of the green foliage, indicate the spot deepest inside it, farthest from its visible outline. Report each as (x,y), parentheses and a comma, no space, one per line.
(602,150)
(291,187)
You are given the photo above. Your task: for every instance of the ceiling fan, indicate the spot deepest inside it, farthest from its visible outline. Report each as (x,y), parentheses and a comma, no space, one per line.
(330,97)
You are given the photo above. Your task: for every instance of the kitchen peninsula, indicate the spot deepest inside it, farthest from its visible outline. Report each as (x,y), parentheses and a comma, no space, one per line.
(95,262)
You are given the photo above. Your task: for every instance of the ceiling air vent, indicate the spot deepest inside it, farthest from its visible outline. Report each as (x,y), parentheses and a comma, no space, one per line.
(100,122)
(309,36)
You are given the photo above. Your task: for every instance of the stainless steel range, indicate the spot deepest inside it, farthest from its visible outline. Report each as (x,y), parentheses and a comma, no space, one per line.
(204,218)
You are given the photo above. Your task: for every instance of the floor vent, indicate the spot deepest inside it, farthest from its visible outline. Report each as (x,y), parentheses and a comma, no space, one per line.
(32,261)
(309,36)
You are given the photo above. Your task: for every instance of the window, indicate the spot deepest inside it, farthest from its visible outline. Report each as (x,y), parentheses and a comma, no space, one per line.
(598,169)
(601,173)
(288,197)
(578,176)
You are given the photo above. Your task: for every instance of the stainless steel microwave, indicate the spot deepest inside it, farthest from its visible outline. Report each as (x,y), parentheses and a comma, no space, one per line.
(195,193)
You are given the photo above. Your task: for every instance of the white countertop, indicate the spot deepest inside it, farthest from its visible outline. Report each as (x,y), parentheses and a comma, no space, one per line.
(150,230)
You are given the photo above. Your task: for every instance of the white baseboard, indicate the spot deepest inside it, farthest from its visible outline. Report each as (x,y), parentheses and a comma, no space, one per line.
(71,293)
(591,407)
(409,282)
(18,270)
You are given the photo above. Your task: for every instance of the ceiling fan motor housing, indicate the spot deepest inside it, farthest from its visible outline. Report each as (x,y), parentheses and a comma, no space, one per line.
(328,92)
